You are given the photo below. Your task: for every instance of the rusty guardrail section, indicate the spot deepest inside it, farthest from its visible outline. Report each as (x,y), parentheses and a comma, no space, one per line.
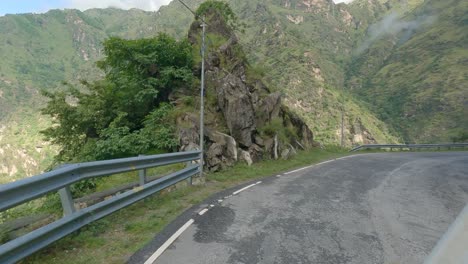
(16,193)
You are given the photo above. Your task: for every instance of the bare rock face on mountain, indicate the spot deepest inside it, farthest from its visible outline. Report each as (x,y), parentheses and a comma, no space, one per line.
(245,121)
(235,103)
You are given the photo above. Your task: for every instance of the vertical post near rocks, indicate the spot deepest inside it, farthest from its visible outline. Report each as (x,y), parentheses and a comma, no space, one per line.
(202,96)
(202,88)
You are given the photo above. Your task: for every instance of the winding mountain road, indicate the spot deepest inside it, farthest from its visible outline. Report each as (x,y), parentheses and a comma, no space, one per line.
(368,208)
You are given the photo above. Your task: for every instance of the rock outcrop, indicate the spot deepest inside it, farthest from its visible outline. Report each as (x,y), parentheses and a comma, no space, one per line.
(256,123)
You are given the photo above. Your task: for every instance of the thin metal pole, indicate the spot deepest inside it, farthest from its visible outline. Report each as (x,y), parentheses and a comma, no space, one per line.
(342,117)
(202,95)
(342,125)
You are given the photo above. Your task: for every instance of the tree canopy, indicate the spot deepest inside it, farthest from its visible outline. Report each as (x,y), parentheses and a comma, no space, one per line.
(126,113)
(223,9)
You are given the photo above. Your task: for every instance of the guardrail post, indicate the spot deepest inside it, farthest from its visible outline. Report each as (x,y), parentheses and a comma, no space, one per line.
(190,179)
(67,201)
(142,175)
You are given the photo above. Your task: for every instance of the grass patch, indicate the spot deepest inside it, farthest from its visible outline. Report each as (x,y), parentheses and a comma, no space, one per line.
(115,238)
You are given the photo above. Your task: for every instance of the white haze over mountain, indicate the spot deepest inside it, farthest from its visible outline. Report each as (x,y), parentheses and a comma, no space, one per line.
(148,5)
(393,24)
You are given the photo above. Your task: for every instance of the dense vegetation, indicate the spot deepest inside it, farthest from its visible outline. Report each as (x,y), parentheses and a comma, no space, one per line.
(40,51)
(126,113)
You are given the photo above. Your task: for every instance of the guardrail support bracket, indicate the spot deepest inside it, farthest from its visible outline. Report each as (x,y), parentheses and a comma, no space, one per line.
(67,201)
(189,180)
(142,175)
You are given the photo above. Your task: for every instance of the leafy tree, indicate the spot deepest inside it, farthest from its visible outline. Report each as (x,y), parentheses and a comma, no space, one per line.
(125,113)
(145,71)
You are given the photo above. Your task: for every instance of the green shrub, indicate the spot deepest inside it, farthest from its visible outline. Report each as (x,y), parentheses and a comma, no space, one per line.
(286,133)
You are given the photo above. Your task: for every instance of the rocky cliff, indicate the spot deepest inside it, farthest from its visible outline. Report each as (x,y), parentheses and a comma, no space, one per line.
(245,120)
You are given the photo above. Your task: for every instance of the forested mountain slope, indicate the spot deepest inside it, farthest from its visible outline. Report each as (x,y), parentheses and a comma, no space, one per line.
(412,69)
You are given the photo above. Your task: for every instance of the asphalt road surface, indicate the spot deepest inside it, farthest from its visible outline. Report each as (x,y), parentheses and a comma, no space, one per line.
(370,208)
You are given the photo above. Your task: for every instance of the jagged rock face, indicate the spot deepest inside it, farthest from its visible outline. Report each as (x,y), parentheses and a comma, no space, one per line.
(360,135)
(188,130)
(236,105)
(222,149)
(268,108)
(245,106)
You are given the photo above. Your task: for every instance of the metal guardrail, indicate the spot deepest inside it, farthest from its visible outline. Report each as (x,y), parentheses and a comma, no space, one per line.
(22,191)
(409,146)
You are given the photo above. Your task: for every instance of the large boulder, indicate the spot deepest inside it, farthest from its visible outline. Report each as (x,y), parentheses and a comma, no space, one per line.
(268,108)
(228,143)
(305,137)
(242,107)
(236,105)
(220,149)
(188,132)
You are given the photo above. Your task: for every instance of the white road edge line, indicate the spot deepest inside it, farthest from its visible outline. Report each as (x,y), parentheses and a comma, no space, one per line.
(303,168)
(324,162)
(243,189)
(202,212)
(289,172)
(171,240)
(246,187)
(345,157)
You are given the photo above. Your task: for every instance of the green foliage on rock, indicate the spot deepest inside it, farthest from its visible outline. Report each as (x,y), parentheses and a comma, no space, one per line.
(224,10)
(278,128)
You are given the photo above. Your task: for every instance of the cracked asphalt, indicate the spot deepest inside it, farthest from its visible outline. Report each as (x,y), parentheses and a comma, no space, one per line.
(369,208)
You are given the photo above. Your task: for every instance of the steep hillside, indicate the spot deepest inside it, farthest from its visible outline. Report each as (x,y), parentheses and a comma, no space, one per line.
(412,69)
(304,47)
(40,51)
